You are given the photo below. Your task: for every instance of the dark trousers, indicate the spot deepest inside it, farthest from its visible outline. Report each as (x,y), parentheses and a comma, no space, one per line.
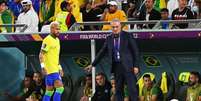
(121,78)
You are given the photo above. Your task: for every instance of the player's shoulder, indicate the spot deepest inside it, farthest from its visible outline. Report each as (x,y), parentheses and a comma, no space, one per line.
(47,38)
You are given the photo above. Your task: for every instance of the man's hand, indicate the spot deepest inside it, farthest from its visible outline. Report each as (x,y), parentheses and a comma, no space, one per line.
(113,90)
(84,98)
(93,6)
(61,72)
(106,10)
(44,72)
(88,68)
(135,70)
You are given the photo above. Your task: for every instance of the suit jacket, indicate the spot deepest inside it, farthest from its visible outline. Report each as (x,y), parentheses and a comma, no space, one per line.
(128,51)
(154,15)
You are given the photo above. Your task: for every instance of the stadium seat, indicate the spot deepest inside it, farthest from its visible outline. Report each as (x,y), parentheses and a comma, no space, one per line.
(68,87)
(181,86)
(167,85)
(78,89)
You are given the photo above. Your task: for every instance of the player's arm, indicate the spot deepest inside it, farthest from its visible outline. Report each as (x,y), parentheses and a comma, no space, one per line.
(199,97)
(44,49)
(141,98)
(41,58)
(187,97)
(61,72)
(154,93)
(154,98)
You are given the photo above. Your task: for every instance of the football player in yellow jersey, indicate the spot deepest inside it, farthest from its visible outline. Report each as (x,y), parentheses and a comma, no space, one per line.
(49,59)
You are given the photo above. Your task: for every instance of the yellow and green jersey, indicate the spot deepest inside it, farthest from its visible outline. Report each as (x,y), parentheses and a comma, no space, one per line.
(194,92)
(148,93)
(51,49)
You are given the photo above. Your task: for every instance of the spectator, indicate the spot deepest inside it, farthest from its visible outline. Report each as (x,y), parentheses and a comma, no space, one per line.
(70,19)
(194,89)
(46,13)
(28,17)
(172,5)
(102,88)
(195,10)
(36,5)
(87,91)
(150,92)
(165,16)
(57,9)
(182,13)
(149,14)
(96,4)
(75,4)
(132,12)
(90,14)
(16,7)
(112,13)
(65,17)
(5,17)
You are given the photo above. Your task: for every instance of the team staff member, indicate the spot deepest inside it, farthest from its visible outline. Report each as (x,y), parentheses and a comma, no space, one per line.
(124,56)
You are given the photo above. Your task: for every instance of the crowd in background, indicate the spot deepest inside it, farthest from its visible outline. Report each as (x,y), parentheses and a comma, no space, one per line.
(37,14)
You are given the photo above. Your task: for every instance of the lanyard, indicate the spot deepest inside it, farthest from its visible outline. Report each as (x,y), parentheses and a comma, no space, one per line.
(117,45)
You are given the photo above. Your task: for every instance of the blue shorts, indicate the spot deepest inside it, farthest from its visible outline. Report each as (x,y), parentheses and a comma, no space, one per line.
(50,78)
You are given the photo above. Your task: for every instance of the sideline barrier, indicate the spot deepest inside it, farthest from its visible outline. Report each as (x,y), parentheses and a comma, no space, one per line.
(88,35)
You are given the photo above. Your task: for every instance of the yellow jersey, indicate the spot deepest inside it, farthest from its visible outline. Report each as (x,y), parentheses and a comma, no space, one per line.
(75,4)
(61,18)
(119,14)
(51,49)
(97,1)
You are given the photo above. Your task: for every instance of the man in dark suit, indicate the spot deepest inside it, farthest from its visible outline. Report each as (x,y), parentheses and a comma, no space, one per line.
(123,54)
(148,14)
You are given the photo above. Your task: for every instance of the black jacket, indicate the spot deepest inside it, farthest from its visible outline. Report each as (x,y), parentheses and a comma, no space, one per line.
(102,92)
(154,15)
(129,54)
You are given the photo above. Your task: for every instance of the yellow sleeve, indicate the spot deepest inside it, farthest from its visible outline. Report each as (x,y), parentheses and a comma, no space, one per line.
(106,17)
(123,16)
(106,26)
(46,45)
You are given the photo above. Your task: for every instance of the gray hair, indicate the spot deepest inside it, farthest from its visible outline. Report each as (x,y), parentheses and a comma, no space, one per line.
(115,20)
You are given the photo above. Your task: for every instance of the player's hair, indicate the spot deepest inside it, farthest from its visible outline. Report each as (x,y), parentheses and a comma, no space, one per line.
(54,23)
(146,76)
